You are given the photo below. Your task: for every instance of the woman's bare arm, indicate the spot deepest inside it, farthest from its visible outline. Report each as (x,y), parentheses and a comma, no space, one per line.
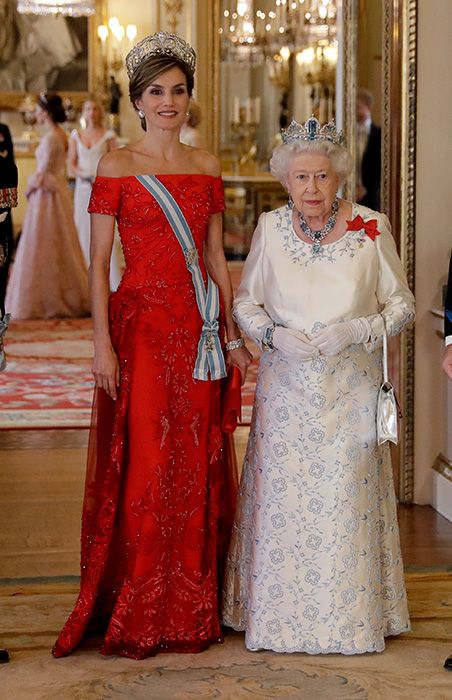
(105,365)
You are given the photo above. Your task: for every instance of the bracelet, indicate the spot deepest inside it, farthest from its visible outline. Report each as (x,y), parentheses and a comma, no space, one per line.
(234,344)
(267,340)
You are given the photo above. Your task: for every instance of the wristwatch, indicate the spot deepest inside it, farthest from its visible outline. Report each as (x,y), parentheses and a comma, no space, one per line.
(267,340)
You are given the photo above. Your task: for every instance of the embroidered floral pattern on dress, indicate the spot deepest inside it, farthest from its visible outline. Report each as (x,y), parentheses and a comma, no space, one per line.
(314,564)
(303,254)
(157,468)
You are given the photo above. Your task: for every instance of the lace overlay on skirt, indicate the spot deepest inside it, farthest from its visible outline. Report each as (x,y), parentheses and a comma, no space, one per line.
(160,482)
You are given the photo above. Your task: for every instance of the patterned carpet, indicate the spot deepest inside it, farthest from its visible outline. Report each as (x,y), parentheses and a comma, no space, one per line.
(33,613)
(48,381)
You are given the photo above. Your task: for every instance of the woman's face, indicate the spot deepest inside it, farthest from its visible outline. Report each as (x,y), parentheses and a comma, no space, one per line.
(92,113)
(165,100)
(41,115)
(313,183)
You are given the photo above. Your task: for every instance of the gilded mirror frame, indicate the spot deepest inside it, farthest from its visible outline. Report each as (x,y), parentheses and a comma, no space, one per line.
(399,38)
(10,100)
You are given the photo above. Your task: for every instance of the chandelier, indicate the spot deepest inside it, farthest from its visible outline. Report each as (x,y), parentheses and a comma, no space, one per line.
(70,8)
(251,34)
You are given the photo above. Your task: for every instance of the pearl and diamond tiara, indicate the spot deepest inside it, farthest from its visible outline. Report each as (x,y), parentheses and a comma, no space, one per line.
(311,130)
(160,44)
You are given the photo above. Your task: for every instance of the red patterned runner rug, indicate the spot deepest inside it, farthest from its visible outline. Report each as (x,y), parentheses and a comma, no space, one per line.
(48,381)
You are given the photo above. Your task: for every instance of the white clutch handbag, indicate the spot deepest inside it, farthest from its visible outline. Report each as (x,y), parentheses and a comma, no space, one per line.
(387,406)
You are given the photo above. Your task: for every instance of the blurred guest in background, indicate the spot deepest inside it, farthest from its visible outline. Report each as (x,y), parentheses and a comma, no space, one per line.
(86,147)
(189,133)
(49,277)
(447,364)
(8,199)
(447,360)
(368,134)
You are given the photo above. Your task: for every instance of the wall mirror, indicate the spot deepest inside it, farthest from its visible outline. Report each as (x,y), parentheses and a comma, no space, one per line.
(369,44)
(277,59)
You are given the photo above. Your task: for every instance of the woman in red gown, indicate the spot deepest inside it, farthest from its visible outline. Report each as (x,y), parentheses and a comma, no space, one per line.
(156,498)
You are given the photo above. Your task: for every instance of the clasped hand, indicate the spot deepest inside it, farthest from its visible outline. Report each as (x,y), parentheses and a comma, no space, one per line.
(294,343)
(335,338)
(329,341)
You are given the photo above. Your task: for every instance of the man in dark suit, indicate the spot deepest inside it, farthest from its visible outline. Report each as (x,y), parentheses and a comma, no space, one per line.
(447,360)
(8,199)
(447,363)
(368,149)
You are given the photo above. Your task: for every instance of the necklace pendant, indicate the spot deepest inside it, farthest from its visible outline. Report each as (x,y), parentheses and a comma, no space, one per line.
(316,248)
(317,235)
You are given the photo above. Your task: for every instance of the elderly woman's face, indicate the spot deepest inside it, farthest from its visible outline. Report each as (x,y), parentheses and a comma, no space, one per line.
(313,184)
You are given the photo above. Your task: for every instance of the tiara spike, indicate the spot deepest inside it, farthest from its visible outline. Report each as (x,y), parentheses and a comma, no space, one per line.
(160,44)
(311,130)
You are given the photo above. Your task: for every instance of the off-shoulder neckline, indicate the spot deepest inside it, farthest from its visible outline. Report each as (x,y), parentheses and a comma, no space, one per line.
(127,177)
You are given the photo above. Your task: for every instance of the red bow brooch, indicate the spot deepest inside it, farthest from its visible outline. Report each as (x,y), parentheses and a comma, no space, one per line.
(369,227)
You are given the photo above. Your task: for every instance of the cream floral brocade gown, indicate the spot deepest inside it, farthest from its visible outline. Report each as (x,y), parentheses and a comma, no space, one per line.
(314,564)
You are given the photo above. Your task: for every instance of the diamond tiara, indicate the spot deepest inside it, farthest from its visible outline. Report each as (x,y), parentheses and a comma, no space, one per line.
(160,44)
(312,131)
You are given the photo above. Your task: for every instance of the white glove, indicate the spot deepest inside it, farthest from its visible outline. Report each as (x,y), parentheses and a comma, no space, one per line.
(335,338)
(294,343)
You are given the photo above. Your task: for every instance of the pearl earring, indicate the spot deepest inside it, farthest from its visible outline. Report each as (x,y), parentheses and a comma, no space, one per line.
(187,114)
(141,114)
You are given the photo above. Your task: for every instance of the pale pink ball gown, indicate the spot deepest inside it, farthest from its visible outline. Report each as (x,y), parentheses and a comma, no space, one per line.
(49,277)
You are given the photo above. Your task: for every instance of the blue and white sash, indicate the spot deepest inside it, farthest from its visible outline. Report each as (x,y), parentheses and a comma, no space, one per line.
(209,359)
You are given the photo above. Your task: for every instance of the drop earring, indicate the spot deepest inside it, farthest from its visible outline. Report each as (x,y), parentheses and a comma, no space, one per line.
(290,202)
(141,114)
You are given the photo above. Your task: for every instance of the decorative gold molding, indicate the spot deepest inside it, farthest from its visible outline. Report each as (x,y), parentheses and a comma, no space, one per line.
(214,105)
(398,160)
(385,103)
(349,81)
(407,219)
(173,8)
(443,466)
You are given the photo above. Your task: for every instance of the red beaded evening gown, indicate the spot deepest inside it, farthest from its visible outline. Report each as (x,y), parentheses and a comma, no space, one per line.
(159,486)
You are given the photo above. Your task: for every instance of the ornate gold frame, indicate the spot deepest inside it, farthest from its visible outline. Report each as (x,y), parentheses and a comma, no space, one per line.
(12,100)
(399,33)
(399,189)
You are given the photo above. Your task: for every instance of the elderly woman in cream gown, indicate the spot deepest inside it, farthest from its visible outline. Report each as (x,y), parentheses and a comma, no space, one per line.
(315,564)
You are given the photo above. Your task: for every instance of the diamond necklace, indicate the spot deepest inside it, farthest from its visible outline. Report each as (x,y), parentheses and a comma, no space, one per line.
(318,236)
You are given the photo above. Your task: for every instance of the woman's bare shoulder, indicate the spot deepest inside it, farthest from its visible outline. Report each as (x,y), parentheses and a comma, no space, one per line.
(114,163)
(206,162)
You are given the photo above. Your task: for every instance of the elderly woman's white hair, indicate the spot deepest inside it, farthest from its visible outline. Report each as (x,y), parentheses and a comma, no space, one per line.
(283,155)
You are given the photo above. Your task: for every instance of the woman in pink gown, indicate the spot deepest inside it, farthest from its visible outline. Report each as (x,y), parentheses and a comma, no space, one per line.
(49,277)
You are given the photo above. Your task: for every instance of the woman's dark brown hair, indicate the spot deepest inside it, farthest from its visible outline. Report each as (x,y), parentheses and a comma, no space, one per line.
(149,70)
(53,105)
